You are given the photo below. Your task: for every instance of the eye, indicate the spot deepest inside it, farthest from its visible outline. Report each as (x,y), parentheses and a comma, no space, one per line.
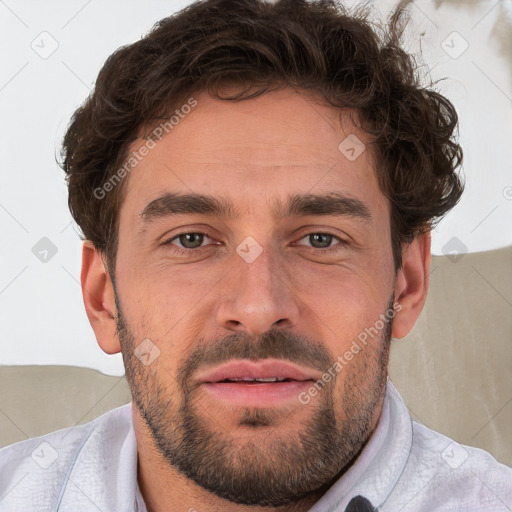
(188,241)
(323,241)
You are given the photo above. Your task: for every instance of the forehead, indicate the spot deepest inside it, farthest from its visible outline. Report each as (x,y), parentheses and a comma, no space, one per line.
(261,149)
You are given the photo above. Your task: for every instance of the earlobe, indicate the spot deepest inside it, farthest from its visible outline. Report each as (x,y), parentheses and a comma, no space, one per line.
(99,299)
(411,284)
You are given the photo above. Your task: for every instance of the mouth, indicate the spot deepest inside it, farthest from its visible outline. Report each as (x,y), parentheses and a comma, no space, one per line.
(250,380)
(264,383)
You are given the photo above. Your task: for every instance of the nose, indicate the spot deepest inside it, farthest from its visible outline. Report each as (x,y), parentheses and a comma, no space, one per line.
(258,296)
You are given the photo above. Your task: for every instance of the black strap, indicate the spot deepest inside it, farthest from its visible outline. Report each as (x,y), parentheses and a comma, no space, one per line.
(360,504)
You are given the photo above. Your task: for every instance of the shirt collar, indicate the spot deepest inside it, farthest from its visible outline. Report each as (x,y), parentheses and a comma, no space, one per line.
(105,470)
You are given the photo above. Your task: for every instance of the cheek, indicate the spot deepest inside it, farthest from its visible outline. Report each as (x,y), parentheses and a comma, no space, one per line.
(344,296)
(163,304)
(147,288)
(347,308)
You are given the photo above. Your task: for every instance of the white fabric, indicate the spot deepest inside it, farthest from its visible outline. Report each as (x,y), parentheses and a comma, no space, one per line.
(404,467)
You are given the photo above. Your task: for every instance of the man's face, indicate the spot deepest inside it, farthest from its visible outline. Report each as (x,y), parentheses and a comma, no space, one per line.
(286,288)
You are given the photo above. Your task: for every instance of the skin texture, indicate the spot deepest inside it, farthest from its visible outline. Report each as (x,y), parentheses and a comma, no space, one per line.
(295,301)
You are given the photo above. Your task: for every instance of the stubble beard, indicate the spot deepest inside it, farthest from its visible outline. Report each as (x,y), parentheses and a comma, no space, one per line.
(279,469)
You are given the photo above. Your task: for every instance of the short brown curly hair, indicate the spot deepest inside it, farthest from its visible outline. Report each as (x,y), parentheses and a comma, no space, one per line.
(313,46)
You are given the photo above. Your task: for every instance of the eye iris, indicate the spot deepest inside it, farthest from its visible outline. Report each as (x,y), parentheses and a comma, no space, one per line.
(196,239)
(317,237)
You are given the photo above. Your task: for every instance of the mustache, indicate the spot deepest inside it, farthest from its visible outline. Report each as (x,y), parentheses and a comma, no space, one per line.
(277,344)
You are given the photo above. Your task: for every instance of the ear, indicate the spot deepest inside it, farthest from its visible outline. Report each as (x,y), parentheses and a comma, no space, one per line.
(411,285)
(98,294)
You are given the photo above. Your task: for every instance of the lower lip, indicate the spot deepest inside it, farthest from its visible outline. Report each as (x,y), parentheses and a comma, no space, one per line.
(258,395)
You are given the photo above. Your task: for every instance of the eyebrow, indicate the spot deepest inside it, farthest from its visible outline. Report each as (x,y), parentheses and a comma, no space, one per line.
(298,205)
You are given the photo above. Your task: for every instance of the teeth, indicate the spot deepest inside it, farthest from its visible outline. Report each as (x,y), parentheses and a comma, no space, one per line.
(257,379)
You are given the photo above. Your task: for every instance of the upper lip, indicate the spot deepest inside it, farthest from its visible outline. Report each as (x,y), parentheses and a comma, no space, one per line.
(264,368)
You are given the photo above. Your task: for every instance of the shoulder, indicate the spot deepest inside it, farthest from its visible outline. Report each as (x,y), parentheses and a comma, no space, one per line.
(36,471)
(442,475)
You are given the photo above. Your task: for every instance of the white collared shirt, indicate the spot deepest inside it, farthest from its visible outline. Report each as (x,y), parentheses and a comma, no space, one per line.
(404,467)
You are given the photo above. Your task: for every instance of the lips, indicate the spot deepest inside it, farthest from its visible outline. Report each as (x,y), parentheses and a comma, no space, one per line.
(266,383)
(263,371)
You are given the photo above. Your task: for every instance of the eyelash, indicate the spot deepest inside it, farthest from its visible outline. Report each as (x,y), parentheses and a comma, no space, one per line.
(185,251)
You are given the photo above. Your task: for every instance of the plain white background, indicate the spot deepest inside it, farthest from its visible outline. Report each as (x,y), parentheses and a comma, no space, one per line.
(51,53)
